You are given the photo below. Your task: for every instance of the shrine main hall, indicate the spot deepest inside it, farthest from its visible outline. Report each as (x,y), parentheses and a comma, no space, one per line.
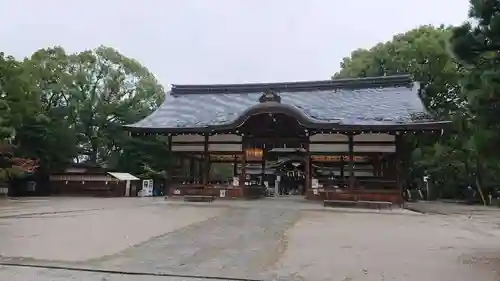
(340,139)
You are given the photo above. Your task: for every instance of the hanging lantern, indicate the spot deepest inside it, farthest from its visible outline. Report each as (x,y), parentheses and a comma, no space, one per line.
(254,153)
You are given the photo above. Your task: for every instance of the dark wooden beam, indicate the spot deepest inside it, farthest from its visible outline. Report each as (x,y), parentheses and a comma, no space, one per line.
(206,162)
(243,173)
(342,167)
(191,168)
(351,162)
(399,163)
(263,166)
(308,169)
(235,166)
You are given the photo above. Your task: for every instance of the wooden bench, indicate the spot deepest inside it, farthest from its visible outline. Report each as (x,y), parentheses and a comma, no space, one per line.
(198,198)
(96,188)
(339,203)
(378,204)
(97,191)
(346,203)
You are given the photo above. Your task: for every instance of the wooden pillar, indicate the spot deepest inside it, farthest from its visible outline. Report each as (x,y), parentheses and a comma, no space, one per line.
(376,165)
(235,166)
(307,170)
(192,172)
(351,162)
(342,164)
(399,163)
(168,169)
(386,169)
(243,172)
(206,159)
(263,166)
(201,172)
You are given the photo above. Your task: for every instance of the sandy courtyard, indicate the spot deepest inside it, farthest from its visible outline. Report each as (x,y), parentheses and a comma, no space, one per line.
(258,240)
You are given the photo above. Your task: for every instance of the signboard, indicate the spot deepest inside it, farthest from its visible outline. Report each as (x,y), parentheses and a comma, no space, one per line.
(315,183)
(277,186)
(236,181)
(338,158)
(147,188)
(31,186)
(222,193)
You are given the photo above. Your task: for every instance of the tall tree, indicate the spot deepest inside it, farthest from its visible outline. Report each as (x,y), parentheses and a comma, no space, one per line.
(96,91)
(421,52)
(7,67)
(49,136)
(17,103)
(476,44)
(86,97)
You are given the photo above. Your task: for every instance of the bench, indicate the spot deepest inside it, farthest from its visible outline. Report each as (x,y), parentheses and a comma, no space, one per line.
(97,191)
(198,198)
(346,203)
(378,204)
(339,203)
(96,188)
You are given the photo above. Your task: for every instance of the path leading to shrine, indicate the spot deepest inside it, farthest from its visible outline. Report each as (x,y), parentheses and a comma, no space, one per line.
(283,239)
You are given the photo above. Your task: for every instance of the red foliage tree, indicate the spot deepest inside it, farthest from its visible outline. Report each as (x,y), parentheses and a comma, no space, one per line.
(25,165)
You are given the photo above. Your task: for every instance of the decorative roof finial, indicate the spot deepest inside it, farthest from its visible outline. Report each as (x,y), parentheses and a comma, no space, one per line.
(270,96)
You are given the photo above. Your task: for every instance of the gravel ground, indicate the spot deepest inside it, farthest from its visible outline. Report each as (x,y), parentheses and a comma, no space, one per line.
(443,208)
(35,274)
(74,236)
(266,239)
(377,247)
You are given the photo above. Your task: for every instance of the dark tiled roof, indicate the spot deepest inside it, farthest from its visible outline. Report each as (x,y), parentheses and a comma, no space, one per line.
(388,100)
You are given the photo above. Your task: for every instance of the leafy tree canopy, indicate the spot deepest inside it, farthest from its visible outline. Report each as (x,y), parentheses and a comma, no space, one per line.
(421,52)
(93,93)
(476,44)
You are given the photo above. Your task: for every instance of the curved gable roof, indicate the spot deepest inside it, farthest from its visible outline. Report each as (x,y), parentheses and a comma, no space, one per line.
(373,101)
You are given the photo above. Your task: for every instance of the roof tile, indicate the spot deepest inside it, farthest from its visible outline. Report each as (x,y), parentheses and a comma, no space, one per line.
(198,107)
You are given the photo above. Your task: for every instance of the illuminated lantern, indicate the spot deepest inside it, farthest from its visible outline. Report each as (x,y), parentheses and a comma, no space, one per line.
(254,153)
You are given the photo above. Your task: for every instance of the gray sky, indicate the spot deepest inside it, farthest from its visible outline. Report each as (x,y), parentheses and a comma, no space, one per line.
(220,41)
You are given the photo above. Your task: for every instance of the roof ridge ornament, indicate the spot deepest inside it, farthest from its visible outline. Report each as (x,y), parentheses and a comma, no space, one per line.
(270,96)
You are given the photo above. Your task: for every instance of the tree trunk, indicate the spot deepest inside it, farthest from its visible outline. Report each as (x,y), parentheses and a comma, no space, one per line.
(479,182)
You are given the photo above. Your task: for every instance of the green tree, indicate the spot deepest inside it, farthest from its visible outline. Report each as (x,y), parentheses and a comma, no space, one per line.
(16,103)
(424,53)
(146,156)
(94,93)
(421,52)
(476,44)
(49,136)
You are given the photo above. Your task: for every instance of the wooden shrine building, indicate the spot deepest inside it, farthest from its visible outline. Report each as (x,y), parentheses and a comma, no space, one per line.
(348,132)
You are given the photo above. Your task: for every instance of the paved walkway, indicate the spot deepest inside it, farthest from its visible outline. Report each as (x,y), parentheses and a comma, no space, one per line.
(239,243)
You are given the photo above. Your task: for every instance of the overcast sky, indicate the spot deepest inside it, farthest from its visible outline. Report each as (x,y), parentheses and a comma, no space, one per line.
(220,41)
